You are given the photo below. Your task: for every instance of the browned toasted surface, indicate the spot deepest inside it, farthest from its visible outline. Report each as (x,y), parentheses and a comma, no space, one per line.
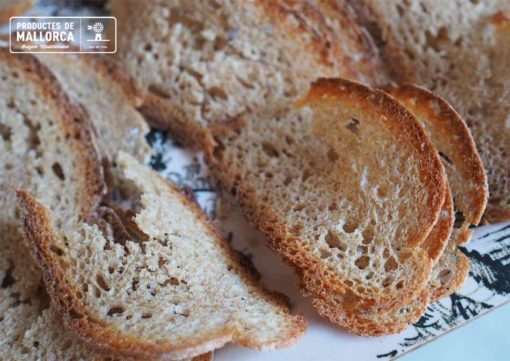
(451,136)
(233,172)
(100,331)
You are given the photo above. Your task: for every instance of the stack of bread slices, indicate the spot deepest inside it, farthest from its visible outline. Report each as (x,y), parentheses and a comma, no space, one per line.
(366,191)
(124,265)
(363,182)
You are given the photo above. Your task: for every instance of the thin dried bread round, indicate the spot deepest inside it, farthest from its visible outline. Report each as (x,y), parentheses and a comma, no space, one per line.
(437,44)
(46,146)
(319,179)
(154,281)
(380,319)
(452,138)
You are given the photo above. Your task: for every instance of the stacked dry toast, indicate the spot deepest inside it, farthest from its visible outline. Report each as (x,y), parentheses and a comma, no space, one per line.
(324,122)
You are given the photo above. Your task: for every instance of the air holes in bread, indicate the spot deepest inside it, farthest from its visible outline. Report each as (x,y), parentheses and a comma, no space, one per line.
(352,126)
(116,310)
(362,262)
(102,282)
(59,172)
(33,136)
(270,150)
(5,132)
(8,280)
(57,250)
(350,226)
(445,276)
(390,264)
(439,41)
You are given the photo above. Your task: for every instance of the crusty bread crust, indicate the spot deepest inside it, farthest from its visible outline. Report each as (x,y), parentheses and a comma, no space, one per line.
(443,120)
(281,240)
(401,121)
(437,239)
(96,334)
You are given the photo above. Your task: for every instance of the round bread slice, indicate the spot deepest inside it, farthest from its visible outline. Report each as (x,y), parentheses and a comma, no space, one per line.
(154,280)
(346,185)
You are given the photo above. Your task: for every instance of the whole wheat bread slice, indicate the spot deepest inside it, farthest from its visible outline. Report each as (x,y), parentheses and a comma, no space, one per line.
(459,50)
(464,170)
(378,321)
(449,133)
(45,146)
(204,61)
(323,206)
(154,280)
(110,98)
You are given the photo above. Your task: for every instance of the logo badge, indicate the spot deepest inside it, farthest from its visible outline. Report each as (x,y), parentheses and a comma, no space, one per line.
(59,34)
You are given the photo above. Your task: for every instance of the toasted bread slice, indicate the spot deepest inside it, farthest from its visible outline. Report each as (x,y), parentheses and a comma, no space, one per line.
(10,8)
(377,321)
(452,138)
(325,181)
(460,51)
(154,281)
(46,146)
(110,98)
(464,170)
(203,63)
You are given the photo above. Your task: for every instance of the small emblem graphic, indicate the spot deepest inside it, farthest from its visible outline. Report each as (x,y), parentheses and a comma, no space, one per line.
(98,29)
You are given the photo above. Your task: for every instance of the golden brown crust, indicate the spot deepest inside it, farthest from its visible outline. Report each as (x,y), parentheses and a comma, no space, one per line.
(14,8)
(458,264)
(442,119)
(437,239)
(74,120)
(39,233)
(370,325)
(283,242)
(402,122)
